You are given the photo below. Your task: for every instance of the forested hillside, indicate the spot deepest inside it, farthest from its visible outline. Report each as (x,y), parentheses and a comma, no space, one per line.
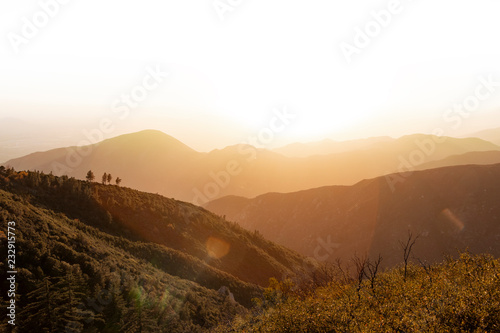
(452,208)
(100,258)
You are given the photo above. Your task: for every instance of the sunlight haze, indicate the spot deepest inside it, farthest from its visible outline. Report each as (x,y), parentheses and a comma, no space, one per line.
(225,77)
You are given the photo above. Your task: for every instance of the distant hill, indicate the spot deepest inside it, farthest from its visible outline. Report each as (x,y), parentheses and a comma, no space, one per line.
(492,135)
(155,162)
(476,157)
(327,146)
(19,138)
(154,257)
(451,208)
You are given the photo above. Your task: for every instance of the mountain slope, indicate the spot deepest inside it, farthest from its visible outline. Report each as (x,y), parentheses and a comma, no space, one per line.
(453,296)
(155,162)
(450,208)
(120,239)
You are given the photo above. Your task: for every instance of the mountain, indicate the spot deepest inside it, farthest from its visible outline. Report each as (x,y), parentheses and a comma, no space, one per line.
(327,146)
(141,257)
(155,162)
(492,135)
(453,208)
(476,157)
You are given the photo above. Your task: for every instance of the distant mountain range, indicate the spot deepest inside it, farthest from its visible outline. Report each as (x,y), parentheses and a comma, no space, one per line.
(453,208)
(155,162)
(492,135)
(475,157)
(328,146)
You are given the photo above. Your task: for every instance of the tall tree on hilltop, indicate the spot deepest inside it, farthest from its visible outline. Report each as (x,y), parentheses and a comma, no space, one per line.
(90,176)
(118,181)
(104,178)
(109,178)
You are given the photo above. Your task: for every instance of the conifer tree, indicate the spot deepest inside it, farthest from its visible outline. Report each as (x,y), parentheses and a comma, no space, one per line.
(40,313)
(72,291)
(90,176)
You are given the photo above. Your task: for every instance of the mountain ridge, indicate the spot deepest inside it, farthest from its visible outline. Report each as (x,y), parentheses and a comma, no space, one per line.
(155,162)
(451,207)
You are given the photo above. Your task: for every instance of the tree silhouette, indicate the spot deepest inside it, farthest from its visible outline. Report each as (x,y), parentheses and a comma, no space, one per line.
(109,178)
(104,178)
(118,181)
(407,247)
(90,176)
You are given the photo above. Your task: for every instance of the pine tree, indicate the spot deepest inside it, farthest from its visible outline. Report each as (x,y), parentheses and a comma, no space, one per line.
(104,178)
(109,178)
(90,176)
(40,313)
(72,292)
(139,317)
(118,181)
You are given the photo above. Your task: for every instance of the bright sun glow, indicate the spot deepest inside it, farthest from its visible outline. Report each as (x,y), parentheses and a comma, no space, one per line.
(226,76)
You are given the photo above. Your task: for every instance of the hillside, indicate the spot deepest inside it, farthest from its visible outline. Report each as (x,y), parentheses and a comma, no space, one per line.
(161,261)
(155,162)
(451,209)
(453,296)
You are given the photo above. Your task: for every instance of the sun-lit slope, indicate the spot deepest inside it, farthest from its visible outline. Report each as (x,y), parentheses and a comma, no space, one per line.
(451,208)
(155,162)
(213,244)
(120,282)
(479,158)
(327,146)
(199,233)
(149,160)
(453,296)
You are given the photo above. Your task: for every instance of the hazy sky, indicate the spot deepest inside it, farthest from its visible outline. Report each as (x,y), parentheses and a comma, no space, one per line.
(345,69)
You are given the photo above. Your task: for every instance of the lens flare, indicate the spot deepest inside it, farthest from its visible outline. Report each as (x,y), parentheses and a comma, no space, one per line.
(217,248)
(453,219)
